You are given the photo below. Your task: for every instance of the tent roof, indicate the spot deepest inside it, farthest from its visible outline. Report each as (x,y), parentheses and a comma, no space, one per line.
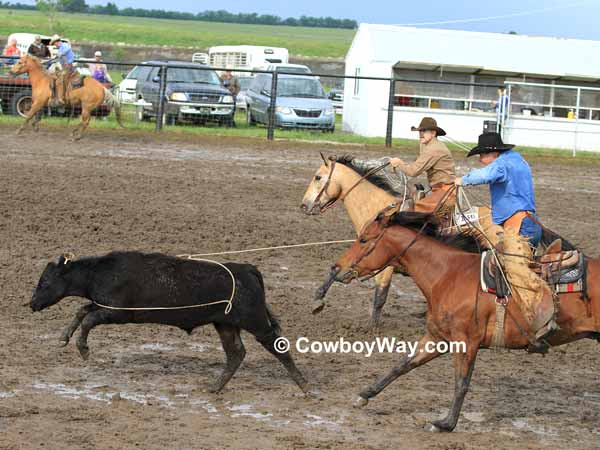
(476,52)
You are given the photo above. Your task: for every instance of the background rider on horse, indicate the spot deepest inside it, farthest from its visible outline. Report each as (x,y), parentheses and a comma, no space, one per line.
(66,57)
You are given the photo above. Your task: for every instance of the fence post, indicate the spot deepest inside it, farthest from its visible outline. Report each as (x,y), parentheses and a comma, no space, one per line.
(577,121)
(161,97)
(390,113)
(272,105)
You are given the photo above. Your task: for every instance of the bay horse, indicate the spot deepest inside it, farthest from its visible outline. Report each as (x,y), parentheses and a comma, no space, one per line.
(447,271)
(331,183)
(91,95)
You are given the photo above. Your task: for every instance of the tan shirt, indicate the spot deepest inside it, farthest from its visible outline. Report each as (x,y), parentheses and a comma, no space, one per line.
(435,159)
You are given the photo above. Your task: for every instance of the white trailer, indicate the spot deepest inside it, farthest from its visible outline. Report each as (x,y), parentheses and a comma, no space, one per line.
(249,57)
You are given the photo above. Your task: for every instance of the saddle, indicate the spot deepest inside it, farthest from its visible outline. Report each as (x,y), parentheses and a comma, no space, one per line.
(73,80)
(565,270)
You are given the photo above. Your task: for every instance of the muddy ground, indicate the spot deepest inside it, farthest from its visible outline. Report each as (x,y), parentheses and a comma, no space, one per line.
(153,193)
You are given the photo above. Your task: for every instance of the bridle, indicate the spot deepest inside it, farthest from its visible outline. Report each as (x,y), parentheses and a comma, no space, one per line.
(332,202)
(353,268)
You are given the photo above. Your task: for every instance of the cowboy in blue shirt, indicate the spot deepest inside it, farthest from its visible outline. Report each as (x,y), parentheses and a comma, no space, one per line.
(513,209)
(66,58)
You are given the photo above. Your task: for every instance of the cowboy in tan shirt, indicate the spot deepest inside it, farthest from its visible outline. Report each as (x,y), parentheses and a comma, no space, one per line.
(436,160)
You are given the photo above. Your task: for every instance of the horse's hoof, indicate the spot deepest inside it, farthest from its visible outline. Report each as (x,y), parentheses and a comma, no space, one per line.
(431,428)
(62,342)
(215,388)
(314,394)
(360,402)
(317,308)
(437,427)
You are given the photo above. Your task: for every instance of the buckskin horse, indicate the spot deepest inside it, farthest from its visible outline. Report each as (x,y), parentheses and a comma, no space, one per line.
(447,271)
(91,95)
(363,200)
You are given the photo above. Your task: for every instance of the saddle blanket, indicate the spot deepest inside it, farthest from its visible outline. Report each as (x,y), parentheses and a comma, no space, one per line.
(570,279)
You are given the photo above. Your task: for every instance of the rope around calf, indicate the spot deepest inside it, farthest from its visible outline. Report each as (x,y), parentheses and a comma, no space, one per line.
(161,308)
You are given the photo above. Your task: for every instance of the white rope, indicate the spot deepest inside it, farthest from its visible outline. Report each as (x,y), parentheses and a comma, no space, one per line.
(160,308)
(458,144)
(262,249)
(500,16)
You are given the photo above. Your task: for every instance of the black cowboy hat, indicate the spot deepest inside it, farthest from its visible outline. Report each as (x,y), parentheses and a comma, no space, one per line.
(488,143)
(429,123)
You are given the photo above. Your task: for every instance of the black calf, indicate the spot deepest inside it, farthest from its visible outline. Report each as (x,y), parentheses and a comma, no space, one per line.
(138,280)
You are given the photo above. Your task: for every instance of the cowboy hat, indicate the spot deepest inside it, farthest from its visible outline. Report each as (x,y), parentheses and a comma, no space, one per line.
(429,123)
(488,143)
(98,53)
(54,38)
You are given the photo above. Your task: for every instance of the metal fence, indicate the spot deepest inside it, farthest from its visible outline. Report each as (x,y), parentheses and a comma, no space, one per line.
(174,92)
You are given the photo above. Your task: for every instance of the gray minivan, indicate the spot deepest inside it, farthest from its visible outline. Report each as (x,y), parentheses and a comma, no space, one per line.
(301,102)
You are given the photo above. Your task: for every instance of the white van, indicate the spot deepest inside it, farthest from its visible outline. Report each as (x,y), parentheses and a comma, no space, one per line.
(247,57)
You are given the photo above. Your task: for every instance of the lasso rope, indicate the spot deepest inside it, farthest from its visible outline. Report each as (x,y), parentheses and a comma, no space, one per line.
(263,249)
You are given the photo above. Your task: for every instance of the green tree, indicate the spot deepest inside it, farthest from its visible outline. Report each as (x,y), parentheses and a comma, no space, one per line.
(73,6)
(50,8)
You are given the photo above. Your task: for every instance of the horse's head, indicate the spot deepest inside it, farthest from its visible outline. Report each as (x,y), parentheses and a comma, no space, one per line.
(322,190)
(368,254)
(25,65)
(21,66)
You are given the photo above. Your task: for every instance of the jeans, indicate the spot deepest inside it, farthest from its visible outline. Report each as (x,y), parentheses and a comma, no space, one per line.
(531,230)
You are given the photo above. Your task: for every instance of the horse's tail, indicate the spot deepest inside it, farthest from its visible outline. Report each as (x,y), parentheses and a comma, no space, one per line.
(113,101)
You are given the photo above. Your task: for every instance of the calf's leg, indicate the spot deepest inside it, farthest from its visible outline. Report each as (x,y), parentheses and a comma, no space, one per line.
(68,332)
(268,341)
(94,318)
(234,351)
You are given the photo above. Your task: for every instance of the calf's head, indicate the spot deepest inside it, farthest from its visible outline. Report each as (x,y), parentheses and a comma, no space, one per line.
(53,284)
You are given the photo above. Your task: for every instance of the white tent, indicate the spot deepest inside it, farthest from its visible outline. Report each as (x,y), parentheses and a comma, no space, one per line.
(385,50)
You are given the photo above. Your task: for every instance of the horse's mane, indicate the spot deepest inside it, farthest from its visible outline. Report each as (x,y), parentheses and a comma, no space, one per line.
(35,59)
(429,225)
(378,179)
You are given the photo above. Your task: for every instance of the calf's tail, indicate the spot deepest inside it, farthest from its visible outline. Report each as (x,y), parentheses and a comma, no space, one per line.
(272,317)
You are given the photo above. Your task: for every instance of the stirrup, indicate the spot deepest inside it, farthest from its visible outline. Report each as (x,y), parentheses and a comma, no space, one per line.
(541,344)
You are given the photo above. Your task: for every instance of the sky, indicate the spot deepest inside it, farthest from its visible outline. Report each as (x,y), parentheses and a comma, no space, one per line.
(566,18)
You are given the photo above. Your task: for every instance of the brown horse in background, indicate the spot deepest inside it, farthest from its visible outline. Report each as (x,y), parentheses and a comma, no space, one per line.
(91,95)
(457,309)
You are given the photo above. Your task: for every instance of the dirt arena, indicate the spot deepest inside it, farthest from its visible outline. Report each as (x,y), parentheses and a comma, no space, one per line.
(203,194)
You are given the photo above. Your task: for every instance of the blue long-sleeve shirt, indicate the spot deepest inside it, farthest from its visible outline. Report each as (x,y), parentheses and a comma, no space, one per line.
(511,185)
(65,53)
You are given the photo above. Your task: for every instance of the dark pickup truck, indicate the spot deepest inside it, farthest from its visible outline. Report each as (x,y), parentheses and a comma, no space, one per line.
(192,93)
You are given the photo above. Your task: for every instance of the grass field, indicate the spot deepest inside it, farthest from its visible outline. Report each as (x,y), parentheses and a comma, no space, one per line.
(260,132)
(323,42)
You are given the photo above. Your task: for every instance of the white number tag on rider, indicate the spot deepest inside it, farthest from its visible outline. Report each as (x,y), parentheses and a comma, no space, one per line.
(471,215)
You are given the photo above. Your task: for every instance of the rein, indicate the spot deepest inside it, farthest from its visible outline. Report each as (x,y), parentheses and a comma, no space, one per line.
(400,255)
(331,203)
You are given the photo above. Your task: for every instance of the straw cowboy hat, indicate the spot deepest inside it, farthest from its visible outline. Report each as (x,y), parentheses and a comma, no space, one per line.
(54,38)
(488,143)
(429,123)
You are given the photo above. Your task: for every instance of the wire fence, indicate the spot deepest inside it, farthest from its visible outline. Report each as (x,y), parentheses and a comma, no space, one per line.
(159,94)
